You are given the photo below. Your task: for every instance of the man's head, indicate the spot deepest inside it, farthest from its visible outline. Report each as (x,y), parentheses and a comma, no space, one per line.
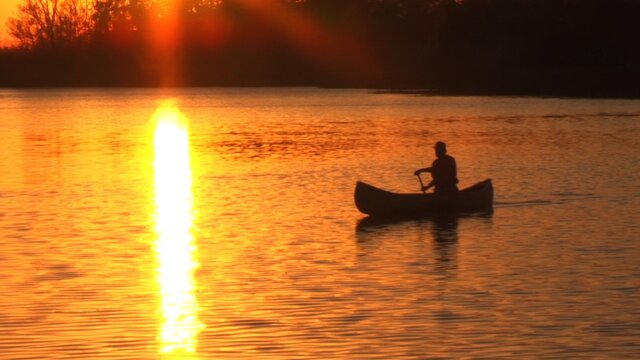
(441,148)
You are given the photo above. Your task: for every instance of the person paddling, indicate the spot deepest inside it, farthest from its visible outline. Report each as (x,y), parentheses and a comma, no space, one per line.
(443,171)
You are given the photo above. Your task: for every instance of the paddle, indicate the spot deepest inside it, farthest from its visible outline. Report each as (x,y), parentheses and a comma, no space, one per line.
(421,184)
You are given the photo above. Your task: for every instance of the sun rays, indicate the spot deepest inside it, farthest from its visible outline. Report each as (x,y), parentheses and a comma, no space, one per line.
(178,29)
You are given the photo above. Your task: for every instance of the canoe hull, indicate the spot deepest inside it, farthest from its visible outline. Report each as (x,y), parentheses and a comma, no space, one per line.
(373,201)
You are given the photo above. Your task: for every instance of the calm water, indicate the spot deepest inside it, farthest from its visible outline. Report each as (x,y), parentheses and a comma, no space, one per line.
(219,223)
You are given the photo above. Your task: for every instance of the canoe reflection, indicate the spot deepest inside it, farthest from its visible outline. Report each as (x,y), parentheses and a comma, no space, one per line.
(441,222)
(404,240)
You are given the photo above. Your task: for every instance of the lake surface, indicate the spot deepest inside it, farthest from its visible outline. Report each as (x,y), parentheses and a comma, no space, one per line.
(219,223)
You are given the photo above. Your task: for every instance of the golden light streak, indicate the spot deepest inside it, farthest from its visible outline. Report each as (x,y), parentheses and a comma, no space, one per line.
(175,247)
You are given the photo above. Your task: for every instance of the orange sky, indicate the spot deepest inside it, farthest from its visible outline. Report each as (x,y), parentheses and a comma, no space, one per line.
(7,8)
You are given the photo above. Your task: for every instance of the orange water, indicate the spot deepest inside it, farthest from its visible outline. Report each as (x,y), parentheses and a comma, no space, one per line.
(219,223)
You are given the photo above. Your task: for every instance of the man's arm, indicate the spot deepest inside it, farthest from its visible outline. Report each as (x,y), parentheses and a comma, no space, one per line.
(419,171)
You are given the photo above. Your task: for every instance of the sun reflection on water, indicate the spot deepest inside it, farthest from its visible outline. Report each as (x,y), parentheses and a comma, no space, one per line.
(175,247)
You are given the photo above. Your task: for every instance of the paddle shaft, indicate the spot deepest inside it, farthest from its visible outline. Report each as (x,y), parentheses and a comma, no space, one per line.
(421,184)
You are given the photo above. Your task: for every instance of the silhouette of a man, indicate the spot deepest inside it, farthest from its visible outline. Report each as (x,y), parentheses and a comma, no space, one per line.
(443,171)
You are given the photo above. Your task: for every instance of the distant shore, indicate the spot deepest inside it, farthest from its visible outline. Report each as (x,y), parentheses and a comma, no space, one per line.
(543,48)
(549,94)
(552,93)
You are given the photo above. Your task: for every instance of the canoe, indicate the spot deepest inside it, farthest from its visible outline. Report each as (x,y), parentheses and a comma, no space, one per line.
(373,201)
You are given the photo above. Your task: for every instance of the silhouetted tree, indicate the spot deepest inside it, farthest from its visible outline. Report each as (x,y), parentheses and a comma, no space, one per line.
(50,23)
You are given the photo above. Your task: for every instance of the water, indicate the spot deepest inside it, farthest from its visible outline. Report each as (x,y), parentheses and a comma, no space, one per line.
(219,223)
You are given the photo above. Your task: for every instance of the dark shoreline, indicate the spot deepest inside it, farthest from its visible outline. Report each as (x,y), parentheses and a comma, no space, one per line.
(375,90)
(537,48)
(548,95)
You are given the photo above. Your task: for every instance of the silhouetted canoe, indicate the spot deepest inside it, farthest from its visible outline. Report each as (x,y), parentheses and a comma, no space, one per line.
(377,202)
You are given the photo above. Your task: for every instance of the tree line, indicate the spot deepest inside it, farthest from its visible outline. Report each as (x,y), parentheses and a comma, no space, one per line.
(537,47)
